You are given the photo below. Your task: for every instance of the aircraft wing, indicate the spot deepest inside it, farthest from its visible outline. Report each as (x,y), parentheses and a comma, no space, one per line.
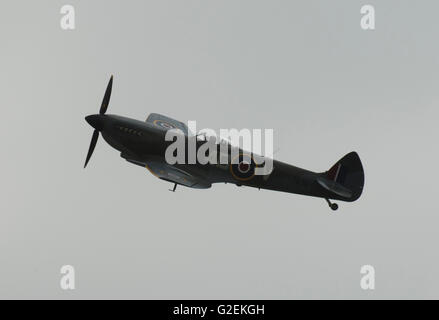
(173,174)
(166,122)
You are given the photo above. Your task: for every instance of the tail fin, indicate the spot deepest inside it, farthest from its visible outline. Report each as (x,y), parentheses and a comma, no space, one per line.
(348,172)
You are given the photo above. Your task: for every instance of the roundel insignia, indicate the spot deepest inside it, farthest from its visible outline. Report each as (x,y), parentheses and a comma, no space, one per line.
(243,167)
(163,124)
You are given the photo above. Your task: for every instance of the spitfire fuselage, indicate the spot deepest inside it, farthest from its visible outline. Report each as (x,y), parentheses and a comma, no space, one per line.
(144,144)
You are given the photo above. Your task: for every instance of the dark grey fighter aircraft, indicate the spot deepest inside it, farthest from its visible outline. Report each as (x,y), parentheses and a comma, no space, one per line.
(144,144)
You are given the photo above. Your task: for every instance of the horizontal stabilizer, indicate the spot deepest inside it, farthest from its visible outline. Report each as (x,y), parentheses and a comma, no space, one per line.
(334,187)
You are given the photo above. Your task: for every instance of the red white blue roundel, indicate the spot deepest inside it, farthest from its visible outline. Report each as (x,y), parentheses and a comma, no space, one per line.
(163,124)
(244,168)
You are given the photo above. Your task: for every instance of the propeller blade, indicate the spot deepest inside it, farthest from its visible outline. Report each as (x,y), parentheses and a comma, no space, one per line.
(107,96)
(93,141)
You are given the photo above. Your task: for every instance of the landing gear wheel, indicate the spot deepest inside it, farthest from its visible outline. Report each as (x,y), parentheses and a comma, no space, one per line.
(333,206)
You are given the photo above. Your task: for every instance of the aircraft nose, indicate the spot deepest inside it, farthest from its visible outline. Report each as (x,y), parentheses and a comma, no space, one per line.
(95,120)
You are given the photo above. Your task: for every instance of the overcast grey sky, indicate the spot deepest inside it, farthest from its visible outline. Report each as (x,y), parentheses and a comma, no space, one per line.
(304,68)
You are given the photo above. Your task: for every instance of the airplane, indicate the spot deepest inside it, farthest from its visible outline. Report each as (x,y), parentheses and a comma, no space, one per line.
(143,143)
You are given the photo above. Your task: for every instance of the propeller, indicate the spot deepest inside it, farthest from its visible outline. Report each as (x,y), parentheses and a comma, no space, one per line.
(93,121)
(94,140)
(107,96)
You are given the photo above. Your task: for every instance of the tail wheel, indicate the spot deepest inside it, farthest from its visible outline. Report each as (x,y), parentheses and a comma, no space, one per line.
(332,205)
